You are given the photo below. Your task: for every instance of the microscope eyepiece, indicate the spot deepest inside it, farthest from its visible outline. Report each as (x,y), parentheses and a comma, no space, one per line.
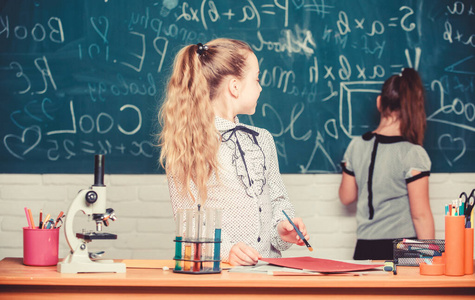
(99,167)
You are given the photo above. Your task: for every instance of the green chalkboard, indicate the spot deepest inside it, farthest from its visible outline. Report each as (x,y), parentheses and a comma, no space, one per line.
(79,78)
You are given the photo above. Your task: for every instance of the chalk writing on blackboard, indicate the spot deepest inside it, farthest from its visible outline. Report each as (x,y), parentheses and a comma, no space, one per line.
(84,78)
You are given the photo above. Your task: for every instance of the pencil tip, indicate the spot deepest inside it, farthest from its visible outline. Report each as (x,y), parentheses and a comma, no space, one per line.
(310,248)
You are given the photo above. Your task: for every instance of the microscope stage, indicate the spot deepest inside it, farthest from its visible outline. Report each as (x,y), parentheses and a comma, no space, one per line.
(96,236)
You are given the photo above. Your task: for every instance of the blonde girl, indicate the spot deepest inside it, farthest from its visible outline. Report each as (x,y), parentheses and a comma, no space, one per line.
(214,160)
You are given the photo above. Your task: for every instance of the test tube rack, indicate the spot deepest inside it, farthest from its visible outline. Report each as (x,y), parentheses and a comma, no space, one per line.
(198,248)
(197,266)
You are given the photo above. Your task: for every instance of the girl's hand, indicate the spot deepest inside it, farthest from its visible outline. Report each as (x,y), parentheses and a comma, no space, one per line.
(287,232)
(243,255)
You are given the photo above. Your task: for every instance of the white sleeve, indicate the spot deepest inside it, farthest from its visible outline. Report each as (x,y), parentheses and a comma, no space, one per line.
(279,198)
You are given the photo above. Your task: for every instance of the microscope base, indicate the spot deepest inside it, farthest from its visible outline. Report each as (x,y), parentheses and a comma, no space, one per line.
(78,261)
(97,266)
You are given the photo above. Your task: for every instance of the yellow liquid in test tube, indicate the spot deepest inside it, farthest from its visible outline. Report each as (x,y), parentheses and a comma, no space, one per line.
(188,237)
(187,257)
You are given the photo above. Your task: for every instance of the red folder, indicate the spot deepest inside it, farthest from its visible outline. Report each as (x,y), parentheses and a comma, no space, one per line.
(319,264)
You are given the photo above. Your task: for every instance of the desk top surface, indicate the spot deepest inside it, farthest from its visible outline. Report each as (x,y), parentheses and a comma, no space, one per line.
(13,272)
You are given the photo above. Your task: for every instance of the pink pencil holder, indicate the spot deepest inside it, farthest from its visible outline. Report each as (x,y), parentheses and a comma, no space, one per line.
(40,246)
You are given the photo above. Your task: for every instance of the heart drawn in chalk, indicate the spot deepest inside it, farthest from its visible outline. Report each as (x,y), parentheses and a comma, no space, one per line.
(20,146)
(447,143)
(104,24)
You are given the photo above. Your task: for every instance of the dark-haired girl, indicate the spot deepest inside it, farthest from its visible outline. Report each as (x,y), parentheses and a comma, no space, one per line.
(386,171)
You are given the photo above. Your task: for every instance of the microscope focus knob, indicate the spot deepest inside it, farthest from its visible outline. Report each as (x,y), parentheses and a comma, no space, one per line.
(91,197)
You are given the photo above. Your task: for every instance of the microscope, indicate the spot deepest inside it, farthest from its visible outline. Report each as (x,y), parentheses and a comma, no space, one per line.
(92,202)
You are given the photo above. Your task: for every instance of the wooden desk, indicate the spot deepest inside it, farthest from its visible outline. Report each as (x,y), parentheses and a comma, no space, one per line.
(22,282)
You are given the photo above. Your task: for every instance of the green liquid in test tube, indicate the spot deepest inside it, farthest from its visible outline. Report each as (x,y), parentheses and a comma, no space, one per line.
(217,239)
(178,238)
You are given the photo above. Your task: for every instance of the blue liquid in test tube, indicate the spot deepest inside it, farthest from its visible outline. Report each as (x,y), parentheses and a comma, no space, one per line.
(217,239)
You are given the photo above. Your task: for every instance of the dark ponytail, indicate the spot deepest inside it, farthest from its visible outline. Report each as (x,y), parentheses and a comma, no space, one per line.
(404,94)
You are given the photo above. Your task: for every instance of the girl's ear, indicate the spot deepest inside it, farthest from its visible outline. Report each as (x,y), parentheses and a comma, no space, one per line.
(233,87)
(378,103)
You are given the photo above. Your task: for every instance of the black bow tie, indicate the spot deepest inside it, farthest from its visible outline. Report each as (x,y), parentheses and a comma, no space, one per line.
(232,132)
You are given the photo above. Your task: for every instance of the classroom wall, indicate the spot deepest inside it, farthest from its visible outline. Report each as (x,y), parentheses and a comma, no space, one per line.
(145,226)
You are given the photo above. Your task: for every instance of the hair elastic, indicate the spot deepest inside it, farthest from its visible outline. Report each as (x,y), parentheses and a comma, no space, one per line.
(201,48)
(402,71)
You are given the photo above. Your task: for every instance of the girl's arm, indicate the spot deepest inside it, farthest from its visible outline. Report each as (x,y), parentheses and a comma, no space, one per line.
(278,194)
(422,218)
(348,191)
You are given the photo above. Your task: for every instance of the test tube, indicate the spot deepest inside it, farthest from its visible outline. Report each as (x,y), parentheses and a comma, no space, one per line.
(217,239)
(209,238)
(198,235)
(178,239)
(188,237)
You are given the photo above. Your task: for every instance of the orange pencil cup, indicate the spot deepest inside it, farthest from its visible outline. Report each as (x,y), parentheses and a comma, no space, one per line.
(40,246)
(468,263)
(454,245)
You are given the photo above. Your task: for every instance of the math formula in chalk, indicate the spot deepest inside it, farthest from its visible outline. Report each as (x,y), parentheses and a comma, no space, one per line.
(87,78)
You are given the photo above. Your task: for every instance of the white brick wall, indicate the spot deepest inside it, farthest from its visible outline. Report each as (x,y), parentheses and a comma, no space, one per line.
(145,224)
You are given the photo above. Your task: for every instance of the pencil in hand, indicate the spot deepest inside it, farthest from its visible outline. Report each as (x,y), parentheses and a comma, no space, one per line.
(298,232)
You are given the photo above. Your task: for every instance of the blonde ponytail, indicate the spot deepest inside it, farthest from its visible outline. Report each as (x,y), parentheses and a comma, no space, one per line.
(189,140)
